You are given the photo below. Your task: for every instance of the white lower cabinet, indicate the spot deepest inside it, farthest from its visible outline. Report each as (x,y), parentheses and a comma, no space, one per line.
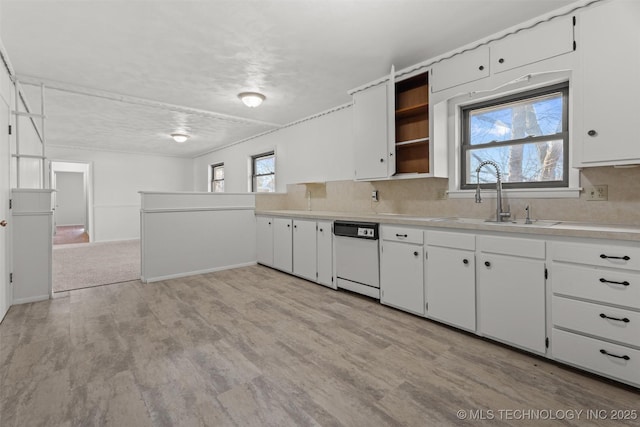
(325,254)
(264,240)
(402,269)
(450,278)
(595,308)
(511,291)
(304,249)
(283,244)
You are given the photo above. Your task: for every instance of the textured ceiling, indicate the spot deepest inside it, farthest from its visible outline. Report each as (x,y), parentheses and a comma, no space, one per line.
(302,54)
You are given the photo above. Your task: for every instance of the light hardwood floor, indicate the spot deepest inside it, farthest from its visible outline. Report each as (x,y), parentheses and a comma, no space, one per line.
(255,347)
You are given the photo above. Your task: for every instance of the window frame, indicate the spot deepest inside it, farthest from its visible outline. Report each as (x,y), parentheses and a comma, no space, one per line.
(212,169)
(254,175)
(496,102)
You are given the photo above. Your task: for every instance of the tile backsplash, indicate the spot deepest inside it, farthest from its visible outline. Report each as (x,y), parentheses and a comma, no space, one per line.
(420,197)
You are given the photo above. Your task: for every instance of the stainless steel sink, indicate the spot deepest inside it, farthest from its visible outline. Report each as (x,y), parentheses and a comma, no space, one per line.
(519,222)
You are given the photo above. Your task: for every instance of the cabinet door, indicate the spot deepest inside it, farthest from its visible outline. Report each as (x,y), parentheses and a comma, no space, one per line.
(541,42)
(264,243)
(511,300)
(609,46)
(451,286)
(325,254)
(283,244)
(463,68)
(401,276)
(304,249)
(370,132)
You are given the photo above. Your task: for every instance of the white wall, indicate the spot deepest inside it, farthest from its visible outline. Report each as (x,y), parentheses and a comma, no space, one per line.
(117,179)
(320,149)
(70,199)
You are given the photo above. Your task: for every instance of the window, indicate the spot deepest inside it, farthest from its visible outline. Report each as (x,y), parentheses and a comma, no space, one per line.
(525,134)
(263,173)
(217,178)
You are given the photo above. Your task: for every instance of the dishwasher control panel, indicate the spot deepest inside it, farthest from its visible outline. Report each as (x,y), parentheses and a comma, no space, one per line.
(356,229)
(365,232)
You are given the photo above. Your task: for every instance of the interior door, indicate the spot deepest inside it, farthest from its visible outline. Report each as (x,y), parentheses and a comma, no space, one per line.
(5,287)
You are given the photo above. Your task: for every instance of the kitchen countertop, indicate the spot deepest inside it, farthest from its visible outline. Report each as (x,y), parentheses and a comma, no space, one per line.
(539,227)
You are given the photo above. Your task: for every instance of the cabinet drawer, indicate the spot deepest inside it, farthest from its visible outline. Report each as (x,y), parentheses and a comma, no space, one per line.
(402,234)
(599,255)
(511,246)
(447,239)
(589,353)
(597,284)
(589,318)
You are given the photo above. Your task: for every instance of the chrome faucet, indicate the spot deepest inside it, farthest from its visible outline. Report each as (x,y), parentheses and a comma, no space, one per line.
(500,215)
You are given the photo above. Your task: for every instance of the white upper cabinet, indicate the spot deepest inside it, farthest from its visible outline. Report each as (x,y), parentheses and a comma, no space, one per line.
(371,133)
(609,46)
(543,41)
(462,68)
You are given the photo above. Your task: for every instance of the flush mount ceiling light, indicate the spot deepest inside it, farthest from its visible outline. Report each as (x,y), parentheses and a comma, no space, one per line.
(251,99)
(179,137)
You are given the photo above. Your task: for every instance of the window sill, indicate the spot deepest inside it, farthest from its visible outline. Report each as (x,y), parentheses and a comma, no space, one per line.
(529,193)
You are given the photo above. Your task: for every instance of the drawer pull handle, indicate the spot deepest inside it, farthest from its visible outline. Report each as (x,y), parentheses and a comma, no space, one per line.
(625,357)
(402,235)
(626,257)
(465,261)
(487,264)
(603,280)
(617,319)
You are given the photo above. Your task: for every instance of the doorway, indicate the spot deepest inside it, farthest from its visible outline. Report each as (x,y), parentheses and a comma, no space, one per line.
(72,216)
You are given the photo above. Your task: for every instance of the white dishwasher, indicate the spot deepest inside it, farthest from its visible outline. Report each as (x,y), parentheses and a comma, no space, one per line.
(357,257)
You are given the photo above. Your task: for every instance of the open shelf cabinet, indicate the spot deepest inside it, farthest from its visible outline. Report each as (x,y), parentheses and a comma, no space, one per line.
(412,124)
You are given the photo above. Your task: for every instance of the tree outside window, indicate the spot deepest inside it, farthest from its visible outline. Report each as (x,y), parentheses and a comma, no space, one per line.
(264,173)
(526,135)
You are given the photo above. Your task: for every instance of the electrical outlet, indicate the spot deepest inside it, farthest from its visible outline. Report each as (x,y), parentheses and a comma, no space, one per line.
(374,195)
(441,194)
(598,193)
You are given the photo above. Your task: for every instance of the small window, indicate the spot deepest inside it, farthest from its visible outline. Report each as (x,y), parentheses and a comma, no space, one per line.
(525,134)
(217,178)
(263,173)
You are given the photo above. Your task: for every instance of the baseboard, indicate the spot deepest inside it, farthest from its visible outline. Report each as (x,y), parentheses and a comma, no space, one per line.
(194,273)
(30,299)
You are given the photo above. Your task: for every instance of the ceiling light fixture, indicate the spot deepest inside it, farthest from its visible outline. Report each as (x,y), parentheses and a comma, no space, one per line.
(179,137)
(251,99)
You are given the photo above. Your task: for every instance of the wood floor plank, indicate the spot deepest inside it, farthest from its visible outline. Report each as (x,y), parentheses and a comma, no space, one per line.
(254,346)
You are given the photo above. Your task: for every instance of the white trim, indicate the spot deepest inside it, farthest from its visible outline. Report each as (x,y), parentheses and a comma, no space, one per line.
(97,93)
(32,213)
(314,116)
(30,299)
(192,273)
(139,153)
(528,193)
(226,208)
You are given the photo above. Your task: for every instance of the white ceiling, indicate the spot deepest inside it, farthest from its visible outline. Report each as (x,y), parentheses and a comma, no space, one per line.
(198,55)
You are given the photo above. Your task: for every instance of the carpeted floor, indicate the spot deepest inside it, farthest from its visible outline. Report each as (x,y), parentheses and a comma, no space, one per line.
(85,265)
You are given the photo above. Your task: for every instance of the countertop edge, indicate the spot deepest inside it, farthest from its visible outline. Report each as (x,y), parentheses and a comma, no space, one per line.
(571,229)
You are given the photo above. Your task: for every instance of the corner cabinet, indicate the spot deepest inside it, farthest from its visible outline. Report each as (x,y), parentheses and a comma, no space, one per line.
(609,46)
(302,247)
(264,241)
